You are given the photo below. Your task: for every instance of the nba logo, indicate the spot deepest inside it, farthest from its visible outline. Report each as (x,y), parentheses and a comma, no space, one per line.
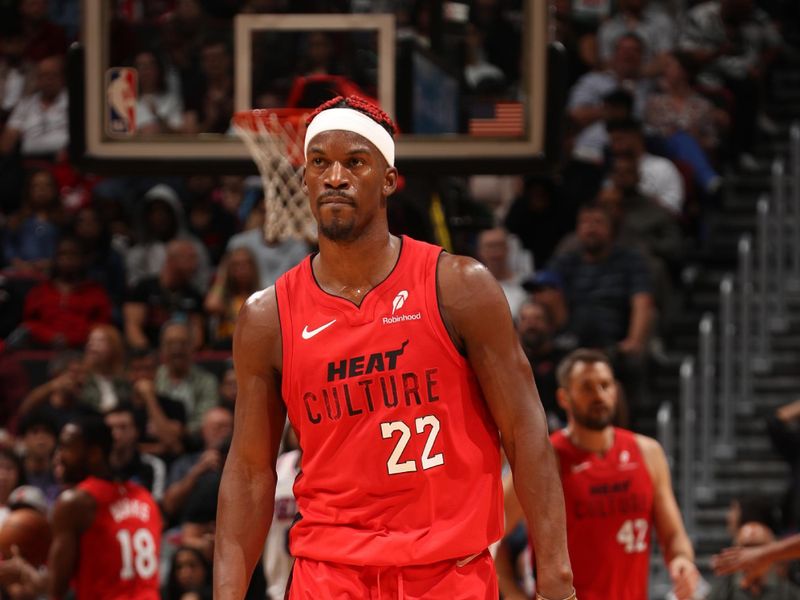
(121,90)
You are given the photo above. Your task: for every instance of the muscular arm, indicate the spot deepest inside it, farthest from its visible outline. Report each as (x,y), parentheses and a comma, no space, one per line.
(247,491)
(477,314)
(72,515)
(675,543)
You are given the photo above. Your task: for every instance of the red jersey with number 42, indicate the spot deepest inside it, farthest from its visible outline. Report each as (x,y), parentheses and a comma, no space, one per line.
(119,553)
(609,502)
(401,462)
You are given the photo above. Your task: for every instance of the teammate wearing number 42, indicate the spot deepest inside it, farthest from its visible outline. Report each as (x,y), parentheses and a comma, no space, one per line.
(616,487)
(106,533)
(400,371)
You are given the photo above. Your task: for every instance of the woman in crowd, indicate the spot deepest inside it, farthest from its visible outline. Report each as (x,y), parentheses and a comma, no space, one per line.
(237,278)
(104,359)
(684,123)
(189,576)
(158,109)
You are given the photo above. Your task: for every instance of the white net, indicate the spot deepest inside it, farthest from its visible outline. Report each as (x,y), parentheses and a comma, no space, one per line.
(276,143)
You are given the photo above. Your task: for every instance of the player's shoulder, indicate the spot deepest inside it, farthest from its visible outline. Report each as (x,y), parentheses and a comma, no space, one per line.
(74,510)
(653,454)
(460,275)
(257,337)
(259,315)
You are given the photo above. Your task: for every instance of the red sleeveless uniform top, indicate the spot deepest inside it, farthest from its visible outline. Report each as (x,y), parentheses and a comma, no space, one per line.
(401,461)
(609,502)
(119,553)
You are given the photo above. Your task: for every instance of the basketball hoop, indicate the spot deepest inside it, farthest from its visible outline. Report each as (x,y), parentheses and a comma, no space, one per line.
(274,137)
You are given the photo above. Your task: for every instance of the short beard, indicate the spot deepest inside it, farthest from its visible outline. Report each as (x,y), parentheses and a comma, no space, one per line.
(339,231)
(593,423)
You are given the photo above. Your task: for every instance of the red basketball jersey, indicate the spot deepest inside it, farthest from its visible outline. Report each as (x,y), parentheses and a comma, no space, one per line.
(119,553)
(609,502)
(401,462)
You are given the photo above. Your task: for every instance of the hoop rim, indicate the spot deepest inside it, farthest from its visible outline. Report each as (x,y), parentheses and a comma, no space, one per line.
(250,119)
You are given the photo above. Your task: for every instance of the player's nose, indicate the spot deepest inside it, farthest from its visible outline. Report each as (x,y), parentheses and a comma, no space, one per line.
(336,176)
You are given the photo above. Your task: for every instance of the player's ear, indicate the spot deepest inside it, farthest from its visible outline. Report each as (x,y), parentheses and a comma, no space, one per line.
(389,181)
(303,184)
(561,398)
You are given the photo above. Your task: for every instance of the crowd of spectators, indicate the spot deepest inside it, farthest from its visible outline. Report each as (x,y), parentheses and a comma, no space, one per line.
(128,288)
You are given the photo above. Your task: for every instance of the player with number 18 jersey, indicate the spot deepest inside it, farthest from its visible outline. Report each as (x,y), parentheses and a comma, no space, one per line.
(120,551)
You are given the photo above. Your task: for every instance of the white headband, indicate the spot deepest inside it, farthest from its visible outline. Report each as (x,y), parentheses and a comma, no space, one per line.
(348,119)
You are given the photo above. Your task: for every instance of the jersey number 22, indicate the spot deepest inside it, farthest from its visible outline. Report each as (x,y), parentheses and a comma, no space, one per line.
(409,466)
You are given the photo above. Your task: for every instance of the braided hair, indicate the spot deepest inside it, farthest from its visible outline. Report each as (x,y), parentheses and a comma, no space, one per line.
(361,105)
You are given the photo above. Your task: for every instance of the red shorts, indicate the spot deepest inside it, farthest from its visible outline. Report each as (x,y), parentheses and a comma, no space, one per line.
(446,580)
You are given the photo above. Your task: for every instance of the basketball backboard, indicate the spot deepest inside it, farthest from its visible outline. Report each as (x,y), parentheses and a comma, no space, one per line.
(455,110)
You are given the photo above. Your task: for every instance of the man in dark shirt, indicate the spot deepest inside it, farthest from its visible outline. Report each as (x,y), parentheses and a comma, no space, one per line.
(609,293)
(156,300)
(145,469)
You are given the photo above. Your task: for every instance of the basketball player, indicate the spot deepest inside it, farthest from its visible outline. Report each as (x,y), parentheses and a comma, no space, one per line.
(616,486)
(106,534)
(397,364)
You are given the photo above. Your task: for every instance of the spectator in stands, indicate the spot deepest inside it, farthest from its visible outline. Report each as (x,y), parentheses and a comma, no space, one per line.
(228,387)
(33,231)
(17,73)
(652,24)
(59,396)
(180,379)
(479,73)
(61,312)
(13,386)
(158,109)
(540,217)
(592,144)
(106,266)
(207,221)
(585,104)
(39,121)
(493,252)
(171,295)
(546,288)
(658,177)
(187,470)
(209,107)
(11,476)
(38,435)
(236,279)
(734,43)
(784,431)
(609,291)
(770,584)
(126,460)
(43,37)
(639,220)
(160,419)
(536,334)
(685,123)
(273,259)
(104,358)
(163,221)
(189,576)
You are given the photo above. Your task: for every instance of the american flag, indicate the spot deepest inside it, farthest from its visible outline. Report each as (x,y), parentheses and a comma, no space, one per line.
(501,118)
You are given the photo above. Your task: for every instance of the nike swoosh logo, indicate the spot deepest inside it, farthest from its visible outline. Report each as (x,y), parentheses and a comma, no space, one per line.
(307,335)
(581,467)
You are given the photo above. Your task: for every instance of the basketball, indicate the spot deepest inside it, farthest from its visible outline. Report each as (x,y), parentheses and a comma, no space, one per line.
(29,530)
